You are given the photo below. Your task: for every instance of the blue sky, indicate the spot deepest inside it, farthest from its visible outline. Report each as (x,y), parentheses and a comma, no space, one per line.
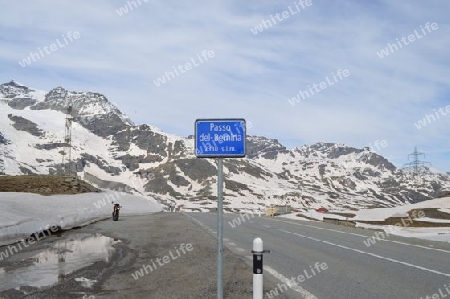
(251,75)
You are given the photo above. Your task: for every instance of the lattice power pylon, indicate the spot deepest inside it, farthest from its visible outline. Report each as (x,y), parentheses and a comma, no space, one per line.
(416,166)
(66,163)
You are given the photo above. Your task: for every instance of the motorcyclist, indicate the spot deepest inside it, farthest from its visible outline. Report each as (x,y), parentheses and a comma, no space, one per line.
(116,209)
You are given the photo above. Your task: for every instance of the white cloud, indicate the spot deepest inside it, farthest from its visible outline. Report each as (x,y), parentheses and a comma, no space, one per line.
(251,75)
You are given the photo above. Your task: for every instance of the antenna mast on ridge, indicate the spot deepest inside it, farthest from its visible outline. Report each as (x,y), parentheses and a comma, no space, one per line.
(68,140)
(2,161)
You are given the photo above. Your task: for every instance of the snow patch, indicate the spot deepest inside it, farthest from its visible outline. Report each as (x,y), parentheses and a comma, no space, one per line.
(25,213)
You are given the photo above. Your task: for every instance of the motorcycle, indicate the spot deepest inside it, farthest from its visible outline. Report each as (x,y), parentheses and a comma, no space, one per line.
(115,213)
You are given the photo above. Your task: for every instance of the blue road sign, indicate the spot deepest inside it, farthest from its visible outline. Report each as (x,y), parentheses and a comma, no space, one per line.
(220,138)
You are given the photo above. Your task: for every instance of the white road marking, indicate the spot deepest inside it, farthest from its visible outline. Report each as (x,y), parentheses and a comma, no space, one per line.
(388,259)
(341,232)
(284,231)
(304,293)
(240,249)
(268,226)
(364,236)
(231,244)
(314,239)
(402,243)
(326,242)
(381,257)
(424,247)
(300,235)
(299,224)
(359,235)
(408,244)
(314,226)
(198,221)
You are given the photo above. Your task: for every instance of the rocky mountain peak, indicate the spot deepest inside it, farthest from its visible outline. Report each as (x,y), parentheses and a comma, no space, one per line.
(260,146)
(13,88)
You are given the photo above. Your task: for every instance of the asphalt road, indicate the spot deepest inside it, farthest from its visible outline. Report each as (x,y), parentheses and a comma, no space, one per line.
(394,268)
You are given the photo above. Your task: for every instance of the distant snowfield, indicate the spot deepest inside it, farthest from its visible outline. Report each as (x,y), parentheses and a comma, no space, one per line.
(429,233)
(400,211)
(26,213)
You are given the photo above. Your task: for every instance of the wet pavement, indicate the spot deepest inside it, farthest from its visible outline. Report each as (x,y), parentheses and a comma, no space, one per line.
(51,266)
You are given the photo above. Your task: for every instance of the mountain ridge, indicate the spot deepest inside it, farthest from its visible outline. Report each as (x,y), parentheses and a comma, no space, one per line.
(107,145)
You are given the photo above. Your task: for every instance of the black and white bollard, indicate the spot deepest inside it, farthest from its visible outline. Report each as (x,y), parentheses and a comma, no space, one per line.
(258,268)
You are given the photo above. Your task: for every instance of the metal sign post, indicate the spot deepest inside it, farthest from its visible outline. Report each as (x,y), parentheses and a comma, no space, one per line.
(219,228)
(220,138)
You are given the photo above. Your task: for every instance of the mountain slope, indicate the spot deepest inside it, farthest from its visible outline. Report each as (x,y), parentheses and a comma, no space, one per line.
(108,149)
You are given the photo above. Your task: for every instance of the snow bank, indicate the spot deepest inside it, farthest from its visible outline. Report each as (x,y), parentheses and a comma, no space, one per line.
(26,213)
(381,214)
(428,233)
(433,220)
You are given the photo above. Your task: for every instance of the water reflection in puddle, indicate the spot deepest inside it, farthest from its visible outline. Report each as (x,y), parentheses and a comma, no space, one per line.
(51,266)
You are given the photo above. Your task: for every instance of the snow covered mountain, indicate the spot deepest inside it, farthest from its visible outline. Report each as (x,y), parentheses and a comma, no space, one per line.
(110,151)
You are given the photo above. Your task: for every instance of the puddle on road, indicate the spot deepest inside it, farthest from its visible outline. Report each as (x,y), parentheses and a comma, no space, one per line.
(51,266)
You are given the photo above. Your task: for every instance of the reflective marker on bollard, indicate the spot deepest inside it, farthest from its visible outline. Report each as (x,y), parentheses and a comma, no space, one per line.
(258,268)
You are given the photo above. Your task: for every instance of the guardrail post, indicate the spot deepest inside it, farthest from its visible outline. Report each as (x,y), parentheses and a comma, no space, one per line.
(258,252)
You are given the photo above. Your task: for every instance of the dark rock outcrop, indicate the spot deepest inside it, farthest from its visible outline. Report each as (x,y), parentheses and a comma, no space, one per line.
(23,124)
